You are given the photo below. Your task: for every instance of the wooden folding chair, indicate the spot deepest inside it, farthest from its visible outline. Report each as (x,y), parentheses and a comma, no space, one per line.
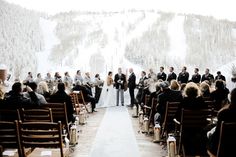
(8,138)
(152,111)
(227,137)
(82,101)
(192,127)
(36,115)
(168,124)
(59,113)
(75,102)
(41,138)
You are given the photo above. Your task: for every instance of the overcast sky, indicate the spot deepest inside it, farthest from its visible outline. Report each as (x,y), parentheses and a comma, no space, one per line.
(217,8)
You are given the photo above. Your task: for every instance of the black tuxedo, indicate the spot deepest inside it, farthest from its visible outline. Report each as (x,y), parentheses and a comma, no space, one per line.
(161,75)
(183,77)
(117,80)
(196,78)
(171,76)
(208,77)
(132,85)
(220,77)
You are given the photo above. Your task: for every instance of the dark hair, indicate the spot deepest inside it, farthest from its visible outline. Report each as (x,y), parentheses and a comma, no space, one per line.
(33,86)
(219,84)
(144,72)
(96,75)
(38,74)
(61,86)
(77,71)
(109,73)
(218,72)
(16,87)
(197,69)
(185,68)
(162,67)
(172,68)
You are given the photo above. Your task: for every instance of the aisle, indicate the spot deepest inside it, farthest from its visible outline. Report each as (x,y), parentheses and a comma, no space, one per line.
(115,136)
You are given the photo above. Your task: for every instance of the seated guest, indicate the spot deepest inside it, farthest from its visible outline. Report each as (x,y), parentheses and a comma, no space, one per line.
(43,89)
(15,99)
(36,98)
(205,90)
(98,83)
(183,76)
(68,79)
(226,114)
(220,94)
(192,101)
(86,93)
(38,78)
(166,95)
(61,97)
(196,77)
(174,85)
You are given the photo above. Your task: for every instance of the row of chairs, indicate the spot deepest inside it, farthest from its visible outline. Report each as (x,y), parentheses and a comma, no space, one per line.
(189,119)
(31,139)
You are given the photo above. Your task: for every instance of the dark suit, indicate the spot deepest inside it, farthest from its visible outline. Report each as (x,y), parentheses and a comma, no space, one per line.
(208,77)
(183,77)
(196,78)
(161,75)
(171,76)
(220,77)
(132,86)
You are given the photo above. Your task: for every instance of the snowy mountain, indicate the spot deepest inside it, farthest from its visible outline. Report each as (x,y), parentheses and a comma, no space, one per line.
(103,41)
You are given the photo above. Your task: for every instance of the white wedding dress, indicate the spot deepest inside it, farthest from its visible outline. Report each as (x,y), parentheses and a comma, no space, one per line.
(107,97)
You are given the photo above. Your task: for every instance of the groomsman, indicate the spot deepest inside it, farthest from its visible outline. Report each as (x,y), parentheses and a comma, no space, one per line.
(207,76)
(183,75)
(171,75)
(219,76)
(196,77)
(120,81)
(131,86)
(161,75)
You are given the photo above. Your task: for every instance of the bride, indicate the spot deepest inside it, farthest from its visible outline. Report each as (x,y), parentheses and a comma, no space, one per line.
(108,97)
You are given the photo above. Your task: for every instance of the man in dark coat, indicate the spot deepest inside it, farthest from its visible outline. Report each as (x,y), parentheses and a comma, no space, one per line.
(196,77)
(183,76)
(171,75)
(131,86)
(207,76)
(161,75)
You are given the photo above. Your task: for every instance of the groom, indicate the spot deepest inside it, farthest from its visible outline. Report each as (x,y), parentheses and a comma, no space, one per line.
(119,85)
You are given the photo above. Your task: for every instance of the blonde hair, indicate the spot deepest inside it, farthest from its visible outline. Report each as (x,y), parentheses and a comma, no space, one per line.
(174,85)
(204,87)
(191,90)
(2,92)
(42,87)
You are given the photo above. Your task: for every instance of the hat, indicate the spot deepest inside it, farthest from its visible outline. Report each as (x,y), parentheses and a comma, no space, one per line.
(164,84)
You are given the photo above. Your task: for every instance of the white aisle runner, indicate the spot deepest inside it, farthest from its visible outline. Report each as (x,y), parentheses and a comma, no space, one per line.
(115,136)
